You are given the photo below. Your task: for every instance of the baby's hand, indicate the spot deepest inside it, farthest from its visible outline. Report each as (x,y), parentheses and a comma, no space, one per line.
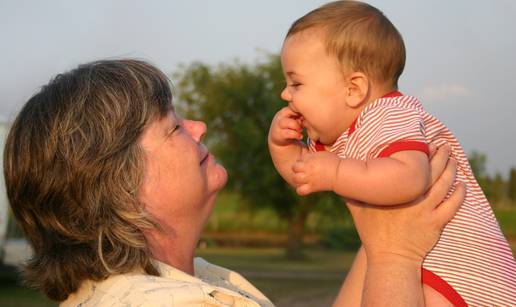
(285,128)
(316,172)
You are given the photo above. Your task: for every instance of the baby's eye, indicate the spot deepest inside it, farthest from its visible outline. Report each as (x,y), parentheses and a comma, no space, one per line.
(295,84)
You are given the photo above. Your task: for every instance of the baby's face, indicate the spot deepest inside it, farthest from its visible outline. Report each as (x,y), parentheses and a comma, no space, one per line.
(316,88)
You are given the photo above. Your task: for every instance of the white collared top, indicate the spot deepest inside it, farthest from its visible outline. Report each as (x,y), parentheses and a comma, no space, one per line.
(212,285)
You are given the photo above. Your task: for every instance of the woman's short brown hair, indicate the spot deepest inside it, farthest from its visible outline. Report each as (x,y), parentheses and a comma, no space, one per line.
(73,168)
(360,37)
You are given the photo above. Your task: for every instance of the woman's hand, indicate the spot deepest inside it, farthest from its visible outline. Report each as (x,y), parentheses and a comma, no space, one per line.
(397,239)
(410,230)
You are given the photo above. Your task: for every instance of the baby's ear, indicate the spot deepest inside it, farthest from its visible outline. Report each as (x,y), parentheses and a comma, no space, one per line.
(358,89)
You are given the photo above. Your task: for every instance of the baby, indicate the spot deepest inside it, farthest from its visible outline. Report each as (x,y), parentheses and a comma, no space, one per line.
(369,142)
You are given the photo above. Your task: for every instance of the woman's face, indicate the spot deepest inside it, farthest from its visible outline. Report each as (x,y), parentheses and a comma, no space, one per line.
(181,177)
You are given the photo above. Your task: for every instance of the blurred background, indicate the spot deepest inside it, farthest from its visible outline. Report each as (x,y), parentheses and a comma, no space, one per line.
(222,57)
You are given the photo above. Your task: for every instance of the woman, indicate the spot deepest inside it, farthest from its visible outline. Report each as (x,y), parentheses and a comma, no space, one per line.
(113,189)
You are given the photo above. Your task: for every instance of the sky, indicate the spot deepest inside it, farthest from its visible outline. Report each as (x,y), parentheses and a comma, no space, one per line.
(460,56)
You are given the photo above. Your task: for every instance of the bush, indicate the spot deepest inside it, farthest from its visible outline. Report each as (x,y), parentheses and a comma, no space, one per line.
(341,238)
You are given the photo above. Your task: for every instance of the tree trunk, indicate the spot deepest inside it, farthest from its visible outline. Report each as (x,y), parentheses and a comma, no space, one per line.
(296,232)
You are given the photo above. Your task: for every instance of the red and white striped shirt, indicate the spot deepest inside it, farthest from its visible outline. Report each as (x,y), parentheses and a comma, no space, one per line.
(472,261)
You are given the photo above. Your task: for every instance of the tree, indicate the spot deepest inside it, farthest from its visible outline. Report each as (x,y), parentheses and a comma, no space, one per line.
(498,191)
(477,161)
(237,102)
(512,185)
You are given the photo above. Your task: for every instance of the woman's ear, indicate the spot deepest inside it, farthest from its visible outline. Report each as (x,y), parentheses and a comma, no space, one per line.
(358,89)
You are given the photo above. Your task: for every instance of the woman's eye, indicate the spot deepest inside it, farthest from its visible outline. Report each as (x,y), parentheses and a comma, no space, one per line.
(176,127)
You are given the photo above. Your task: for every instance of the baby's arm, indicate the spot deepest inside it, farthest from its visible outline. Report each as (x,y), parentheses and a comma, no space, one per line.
(397,179)
(284,142)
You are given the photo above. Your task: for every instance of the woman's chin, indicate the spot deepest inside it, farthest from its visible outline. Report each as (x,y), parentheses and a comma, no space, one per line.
(219,178)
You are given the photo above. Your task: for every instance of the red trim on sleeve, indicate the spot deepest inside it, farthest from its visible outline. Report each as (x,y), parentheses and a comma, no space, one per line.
(319,146)
(392,94)
(441,286)
(404,145)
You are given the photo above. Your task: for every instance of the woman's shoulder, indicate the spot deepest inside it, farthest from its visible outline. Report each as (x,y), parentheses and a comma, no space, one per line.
(136,289)
(225,279)
(212,285)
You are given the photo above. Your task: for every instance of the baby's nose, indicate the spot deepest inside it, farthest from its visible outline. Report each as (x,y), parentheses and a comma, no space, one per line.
(285,94)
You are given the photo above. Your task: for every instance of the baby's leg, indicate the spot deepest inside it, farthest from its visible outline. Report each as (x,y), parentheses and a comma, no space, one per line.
(351,292)
(434,298)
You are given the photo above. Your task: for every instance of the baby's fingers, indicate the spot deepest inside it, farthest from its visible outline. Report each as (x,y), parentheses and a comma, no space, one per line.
(289,134)
(288,112)
(289,123)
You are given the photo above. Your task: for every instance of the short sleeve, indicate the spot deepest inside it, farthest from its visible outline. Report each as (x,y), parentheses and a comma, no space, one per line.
(389,129)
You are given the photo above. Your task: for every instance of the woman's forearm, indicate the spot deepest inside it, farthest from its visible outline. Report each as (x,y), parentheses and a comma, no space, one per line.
(395,282)
(350,294)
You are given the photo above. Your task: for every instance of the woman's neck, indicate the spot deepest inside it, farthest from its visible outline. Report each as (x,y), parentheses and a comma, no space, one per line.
(174,249)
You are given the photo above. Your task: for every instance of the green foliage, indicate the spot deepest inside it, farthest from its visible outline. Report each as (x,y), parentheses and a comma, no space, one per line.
(507,219)
(511,185)
(499,191)
(477,161)
(231,215)
(341,238)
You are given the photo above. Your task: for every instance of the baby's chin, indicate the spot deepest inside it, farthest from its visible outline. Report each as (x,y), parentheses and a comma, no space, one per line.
(314,136)
(322,140)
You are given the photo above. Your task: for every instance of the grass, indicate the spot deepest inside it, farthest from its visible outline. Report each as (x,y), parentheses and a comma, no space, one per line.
(507,219)
(13,295)
(273,260)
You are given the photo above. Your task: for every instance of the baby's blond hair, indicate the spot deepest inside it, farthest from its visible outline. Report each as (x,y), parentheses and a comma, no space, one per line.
(360,37)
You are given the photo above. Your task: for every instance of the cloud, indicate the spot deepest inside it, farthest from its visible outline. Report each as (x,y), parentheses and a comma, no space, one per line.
(444,92)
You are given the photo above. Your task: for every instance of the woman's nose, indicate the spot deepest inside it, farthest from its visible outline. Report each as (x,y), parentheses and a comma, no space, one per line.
(197,129)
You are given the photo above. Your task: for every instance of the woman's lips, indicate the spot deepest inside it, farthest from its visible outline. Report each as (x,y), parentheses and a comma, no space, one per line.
(205,157)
